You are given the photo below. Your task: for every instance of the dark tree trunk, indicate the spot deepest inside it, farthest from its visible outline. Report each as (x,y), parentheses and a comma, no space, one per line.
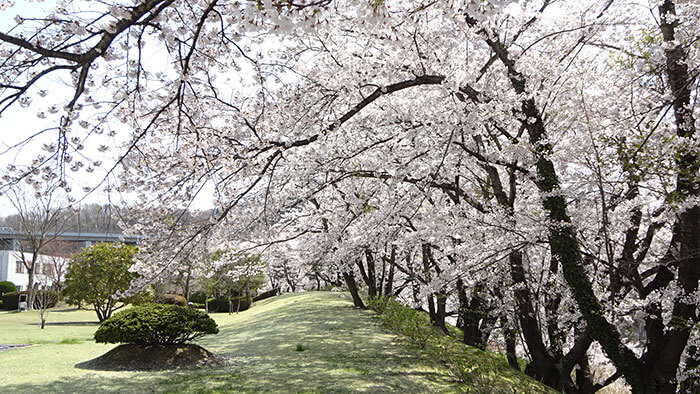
(471,314)
(511,356)
(389,284)
(354,292)
(441,311)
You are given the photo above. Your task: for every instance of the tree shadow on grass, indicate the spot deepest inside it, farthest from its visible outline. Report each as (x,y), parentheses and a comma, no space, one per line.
(69,323)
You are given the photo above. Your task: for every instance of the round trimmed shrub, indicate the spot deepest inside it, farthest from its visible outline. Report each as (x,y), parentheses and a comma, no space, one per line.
(156,324)
(7,287)
(171,299)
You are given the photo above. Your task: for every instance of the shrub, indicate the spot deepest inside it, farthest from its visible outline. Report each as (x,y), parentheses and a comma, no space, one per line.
(171,299)
(267,294)
(10,300)
(412,323)
(7,287)
(156,324)
(220,304)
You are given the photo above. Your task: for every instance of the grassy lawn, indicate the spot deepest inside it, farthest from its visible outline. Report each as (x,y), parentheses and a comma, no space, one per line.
(348,351)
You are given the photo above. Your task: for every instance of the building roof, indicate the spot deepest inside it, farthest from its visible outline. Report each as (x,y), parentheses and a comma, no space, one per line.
(8,233)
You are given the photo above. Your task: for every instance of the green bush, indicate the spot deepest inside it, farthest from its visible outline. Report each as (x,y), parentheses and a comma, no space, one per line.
(267,294)
(412,323)
(198,305)
(11,299)
(198,297)
(220,304)
(171,299)
(7,287)
(156,324)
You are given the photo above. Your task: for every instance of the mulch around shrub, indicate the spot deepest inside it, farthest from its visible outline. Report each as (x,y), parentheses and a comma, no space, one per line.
(129,357)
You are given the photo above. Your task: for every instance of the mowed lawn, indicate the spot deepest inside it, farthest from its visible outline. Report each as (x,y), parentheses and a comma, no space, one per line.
(348,351)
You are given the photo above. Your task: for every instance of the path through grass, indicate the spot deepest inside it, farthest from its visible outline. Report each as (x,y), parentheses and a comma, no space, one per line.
(343,350)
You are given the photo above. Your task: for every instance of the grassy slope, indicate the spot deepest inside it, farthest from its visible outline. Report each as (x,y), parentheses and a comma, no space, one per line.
(348,352)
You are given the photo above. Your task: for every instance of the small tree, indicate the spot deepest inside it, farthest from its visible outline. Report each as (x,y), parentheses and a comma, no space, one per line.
(41,217)
(99,276)
(43,300)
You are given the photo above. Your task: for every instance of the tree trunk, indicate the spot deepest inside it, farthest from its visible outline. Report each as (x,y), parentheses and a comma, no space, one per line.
(352,287)
(441,311)
(511,356)
(30,287)
(389,284)
(187,284)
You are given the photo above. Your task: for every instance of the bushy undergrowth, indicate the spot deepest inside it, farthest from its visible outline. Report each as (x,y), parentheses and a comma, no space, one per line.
(480,370)
(156,324)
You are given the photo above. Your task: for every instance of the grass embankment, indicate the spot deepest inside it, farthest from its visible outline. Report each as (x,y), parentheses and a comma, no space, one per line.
(344,350)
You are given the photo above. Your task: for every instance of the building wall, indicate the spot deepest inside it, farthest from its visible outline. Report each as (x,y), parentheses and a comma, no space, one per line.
(8,269)
(4,266)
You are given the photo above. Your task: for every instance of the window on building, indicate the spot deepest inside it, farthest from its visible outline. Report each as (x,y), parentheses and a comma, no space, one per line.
(48,269)
(37,268)
(19,268)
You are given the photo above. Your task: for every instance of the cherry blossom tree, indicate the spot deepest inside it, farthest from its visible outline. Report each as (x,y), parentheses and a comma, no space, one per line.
(524,166)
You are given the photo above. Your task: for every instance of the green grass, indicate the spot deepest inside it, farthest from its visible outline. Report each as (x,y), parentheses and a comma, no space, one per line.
(346,350)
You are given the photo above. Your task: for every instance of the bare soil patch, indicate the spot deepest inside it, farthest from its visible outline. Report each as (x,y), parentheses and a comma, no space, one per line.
(130,357)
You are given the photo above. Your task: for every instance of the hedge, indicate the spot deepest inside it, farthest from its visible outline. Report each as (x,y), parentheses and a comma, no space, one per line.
(220,304)
(267,294)
(10,300)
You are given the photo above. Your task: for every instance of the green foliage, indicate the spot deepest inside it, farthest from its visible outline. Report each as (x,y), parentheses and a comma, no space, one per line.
(97,273)
(10,300)
(171,299)
(481,371)
(7,287)
(156,324)
(407,321)
(302,347)
(198,297)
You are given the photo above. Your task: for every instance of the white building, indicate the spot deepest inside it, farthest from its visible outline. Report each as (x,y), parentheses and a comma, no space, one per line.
(12,269)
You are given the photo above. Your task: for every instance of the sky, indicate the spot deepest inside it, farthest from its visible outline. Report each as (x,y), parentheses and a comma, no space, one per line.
(18,123)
